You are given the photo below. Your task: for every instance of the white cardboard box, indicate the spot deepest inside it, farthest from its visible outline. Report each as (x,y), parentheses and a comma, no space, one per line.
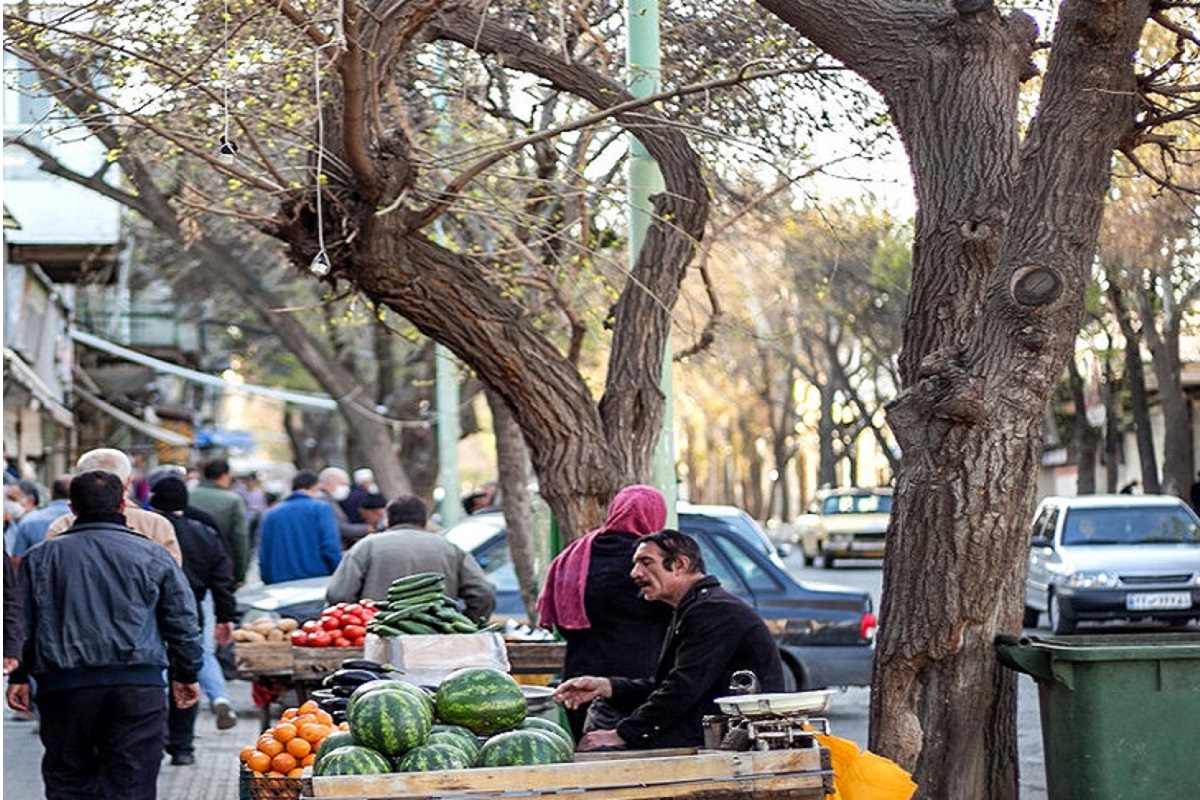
(426,659)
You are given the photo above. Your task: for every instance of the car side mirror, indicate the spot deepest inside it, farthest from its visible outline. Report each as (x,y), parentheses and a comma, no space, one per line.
(1040,541)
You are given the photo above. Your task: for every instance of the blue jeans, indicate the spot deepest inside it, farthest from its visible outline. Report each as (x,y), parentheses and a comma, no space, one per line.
(212,679)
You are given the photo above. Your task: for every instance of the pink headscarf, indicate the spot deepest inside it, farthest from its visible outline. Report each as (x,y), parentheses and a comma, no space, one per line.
(636,509)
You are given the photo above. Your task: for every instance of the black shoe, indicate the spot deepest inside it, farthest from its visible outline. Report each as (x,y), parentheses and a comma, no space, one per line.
(182,760)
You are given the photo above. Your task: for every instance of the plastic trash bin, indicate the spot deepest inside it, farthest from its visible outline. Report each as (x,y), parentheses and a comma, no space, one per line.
(1120,713)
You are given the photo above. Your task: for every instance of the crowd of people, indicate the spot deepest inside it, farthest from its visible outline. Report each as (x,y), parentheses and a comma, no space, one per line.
(119,592)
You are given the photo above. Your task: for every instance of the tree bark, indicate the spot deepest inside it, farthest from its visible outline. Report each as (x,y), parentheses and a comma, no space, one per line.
(1135,379)
(1005,236)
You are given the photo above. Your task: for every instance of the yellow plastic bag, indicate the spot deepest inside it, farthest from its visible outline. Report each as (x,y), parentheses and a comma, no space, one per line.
(863,775)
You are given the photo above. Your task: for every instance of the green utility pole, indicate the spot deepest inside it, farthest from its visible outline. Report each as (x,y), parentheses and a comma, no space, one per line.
(645,180)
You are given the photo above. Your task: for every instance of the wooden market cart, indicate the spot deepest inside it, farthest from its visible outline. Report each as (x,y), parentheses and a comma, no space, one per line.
(799,774)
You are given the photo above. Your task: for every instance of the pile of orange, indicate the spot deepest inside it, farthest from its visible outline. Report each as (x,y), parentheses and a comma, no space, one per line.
(285,749)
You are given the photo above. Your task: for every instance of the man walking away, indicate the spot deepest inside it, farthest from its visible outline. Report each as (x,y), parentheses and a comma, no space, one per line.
(215,495)
(299,535)
(106,611)
(206,565)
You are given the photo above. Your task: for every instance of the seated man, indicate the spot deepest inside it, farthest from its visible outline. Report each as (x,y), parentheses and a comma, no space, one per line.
(712,635)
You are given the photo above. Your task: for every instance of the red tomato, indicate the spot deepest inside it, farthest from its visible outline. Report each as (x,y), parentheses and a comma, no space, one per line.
(368,613)
(319,639)
(330,623)
(353,608)
(352,619)
(300,638)
(341,641)
(354,631)
(367,602)
(311,625)
(359,642)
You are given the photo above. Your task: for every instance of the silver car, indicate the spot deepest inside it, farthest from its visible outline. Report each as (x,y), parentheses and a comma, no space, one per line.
(1113,557)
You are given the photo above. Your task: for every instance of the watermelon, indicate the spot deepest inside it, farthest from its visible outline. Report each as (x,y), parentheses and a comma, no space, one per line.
(389,684)
(468,747)
(538,723)
(351,760)
(524,748)
(390,721)
(432,757)
(333,741)
(483,699)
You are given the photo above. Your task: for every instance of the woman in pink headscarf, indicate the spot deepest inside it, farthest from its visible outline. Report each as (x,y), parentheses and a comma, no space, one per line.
(590,598)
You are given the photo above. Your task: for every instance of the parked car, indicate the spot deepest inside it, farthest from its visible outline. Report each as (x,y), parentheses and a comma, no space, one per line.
(1113,557)
(844,523)
(826,633)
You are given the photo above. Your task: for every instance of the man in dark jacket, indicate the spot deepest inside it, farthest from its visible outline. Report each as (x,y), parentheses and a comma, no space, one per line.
(207,567)
(106,611)
(712,635)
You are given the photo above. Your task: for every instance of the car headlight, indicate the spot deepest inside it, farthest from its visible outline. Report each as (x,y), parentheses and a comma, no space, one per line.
(1092,580)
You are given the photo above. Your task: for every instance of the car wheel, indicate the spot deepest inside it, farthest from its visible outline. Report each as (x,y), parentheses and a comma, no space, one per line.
(1030,620)
(1060,621)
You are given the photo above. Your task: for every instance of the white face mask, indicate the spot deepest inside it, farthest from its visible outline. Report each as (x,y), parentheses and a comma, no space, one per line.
(340,492)
(13,509)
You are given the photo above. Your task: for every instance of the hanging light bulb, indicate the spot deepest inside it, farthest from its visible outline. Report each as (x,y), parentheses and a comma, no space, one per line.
(228,148)
(320,265)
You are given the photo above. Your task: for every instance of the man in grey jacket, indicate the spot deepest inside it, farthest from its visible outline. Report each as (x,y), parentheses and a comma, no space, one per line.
(406,548)
(106,612)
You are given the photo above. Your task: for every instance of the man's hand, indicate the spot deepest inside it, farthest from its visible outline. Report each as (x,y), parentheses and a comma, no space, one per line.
(10,664)
(574,692)
(18,697)
(185,695)
(223,633)
(600,740)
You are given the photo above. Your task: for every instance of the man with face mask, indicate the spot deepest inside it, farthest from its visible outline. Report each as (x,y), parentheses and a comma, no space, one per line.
(334,487)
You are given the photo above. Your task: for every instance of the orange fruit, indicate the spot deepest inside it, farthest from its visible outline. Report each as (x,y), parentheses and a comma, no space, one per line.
(323,717)
(284,763)
(308,760)
(296,773)
(246,752)
(343,726)
(298,747)
(284,732)
(289,713)
(270,745)
(309,706)
(259,761)
(313,732)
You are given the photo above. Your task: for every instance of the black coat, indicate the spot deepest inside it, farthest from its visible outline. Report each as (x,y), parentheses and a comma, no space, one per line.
(206,564)
(713,634)
(627,632)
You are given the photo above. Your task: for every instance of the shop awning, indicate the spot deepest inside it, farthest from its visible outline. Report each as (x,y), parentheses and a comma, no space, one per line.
(25,375)
(153,431)
(308,399)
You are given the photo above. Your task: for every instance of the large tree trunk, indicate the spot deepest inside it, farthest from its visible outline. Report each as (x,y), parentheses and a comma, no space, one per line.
(1005,237)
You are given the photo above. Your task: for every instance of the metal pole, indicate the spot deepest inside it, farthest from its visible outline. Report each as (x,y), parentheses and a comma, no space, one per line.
(645,180)
(448,433)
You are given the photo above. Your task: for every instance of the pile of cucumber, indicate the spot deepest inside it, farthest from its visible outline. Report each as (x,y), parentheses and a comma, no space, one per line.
(416,604)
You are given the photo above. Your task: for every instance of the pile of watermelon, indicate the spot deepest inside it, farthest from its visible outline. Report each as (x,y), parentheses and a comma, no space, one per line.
(476,718)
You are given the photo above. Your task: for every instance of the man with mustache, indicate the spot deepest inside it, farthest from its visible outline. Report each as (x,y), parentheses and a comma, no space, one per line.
(712,635)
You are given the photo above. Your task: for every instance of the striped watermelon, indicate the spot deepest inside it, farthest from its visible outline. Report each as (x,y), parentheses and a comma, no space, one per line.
(391,685)
(538,723)
(484,699)
(468,747)
(390,721)
(432,757)
(524,748)
(333,741)
(351,760)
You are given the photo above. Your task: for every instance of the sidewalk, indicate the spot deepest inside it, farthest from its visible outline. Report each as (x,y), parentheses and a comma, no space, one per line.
(214,776)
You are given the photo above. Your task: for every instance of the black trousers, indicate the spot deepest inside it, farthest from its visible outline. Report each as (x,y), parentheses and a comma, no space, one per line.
(181,728)
(102,742)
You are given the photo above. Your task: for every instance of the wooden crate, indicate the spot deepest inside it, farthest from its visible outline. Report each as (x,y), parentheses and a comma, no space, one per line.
(263,658)
(536,657)
(650,775)
(315,662)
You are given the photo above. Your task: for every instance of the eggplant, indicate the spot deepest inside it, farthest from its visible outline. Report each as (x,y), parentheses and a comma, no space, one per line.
(353,677)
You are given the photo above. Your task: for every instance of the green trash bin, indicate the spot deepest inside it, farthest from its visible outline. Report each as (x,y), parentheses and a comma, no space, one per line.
(1120,713)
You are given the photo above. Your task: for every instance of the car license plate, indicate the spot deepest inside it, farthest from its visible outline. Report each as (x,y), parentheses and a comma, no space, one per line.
(1152,601)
